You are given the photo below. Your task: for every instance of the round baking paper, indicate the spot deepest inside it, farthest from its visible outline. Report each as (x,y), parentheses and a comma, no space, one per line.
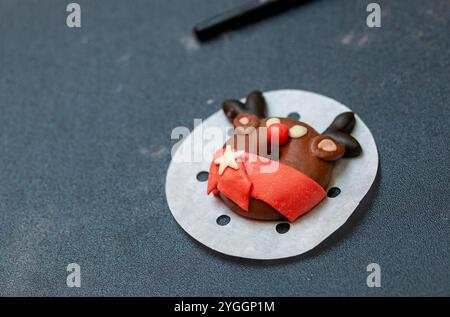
(197,213)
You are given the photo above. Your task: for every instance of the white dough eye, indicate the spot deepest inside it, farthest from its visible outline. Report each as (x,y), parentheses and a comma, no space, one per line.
(297,131)
(272,121)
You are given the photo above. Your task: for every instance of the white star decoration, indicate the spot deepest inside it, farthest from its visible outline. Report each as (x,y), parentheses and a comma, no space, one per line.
(228,159)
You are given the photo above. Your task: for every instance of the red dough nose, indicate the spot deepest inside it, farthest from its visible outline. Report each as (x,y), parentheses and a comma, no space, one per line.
(279,129)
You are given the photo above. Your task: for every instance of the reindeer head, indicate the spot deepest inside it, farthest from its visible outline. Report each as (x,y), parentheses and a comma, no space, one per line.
(299,145)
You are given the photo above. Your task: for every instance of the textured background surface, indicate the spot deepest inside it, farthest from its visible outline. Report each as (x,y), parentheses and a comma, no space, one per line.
(85,122)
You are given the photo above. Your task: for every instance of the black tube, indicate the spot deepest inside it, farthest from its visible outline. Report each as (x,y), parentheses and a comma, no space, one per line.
(249,12)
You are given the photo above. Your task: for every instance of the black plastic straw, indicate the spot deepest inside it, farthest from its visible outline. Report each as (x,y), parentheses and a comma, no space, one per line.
(248,13)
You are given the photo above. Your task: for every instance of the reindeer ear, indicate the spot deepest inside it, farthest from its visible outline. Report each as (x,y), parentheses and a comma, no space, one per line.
(340,131)
(232,108)
(243,121)
(352,146)
(256,104)
(326,148)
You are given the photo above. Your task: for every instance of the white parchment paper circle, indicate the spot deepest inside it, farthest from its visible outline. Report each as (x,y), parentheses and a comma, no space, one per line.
(197,213)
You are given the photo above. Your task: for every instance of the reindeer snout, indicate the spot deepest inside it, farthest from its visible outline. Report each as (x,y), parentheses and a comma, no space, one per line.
(279,132)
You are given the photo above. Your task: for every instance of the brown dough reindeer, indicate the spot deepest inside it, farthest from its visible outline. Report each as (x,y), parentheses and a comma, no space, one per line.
(305,156)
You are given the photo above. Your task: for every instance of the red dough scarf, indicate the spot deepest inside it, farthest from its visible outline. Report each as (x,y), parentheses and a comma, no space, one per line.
(285,189)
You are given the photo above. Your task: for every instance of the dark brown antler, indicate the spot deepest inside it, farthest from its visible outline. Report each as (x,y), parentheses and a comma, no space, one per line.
(340,130)
(255,104)
(232,108)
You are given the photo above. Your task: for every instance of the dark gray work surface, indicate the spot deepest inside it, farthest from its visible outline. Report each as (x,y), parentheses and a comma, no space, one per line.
(85,123)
